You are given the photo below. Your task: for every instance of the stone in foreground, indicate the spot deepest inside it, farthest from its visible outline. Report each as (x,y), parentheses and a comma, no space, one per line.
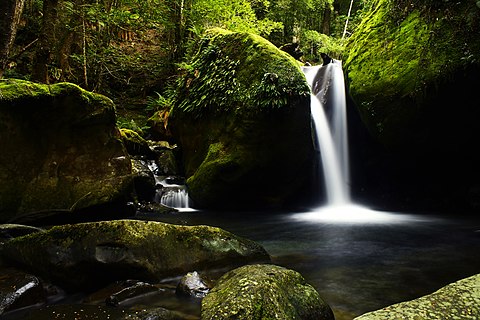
(459,300)
(94,254)
(264,292)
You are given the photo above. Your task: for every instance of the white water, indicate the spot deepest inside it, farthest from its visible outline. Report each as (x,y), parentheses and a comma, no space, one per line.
(328,93)
(329,115)
(170,194)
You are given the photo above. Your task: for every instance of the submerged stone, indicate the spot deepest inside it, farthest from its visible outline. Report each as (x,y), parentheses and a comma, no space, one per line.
(93,254)
(261,292)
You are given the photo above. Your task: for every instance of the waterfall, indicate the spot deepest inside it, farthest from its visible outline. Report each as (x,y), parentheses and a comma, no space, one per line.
(328,109)
(170,191)
(329,117)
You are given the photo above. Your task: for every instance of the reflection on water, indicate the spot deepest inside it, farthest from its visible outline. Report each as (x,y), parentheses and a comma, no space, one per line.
(360,264)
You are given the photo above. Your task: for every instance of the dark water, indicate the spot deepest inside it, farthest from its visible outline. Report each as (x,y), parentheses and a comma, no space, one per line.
(365,265)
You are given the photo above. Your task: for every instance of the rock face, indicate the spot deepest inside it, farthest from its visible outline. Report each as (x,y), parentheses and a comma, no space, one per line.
(257,292)
(241,116)
(413,72)
(94,254)
(459,300)
(60,150)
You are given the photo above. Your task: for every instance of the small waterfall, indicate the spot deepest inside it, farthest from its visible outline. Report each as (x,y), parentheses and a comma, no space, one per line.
(328,108)
(171,192)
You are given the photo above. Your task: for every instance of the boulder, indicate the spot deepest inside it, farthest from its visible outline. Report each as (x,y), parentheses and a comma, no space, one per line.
(257,292)
(193,285)
(241,115)
(61,150)
(93,254)
(459,300)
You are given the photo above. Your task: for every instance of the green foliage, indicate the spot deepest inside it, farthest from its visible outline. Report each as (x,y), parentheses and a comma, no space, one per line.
(130,124)
(207,81)
(223,78)
(234,15)
(158,102)
(313,43)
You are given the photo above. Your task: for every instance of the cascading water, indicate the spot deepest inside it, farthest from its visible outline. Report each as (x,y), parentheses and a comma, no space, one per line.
(328,108)
(329,115)
(171,192)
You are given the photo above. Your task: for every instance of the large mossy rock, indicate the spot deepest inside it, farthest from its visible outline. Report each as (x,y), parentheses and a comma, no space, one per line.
(60,150)
(242,118)
(93,254)
(261,292)
(413,71)
(459,300)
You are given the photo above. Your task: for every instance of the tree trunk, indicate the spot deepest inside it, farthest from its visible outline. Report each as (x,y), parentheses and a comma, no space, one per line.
(11,11)
(46,41)
(327,15)
(348,17)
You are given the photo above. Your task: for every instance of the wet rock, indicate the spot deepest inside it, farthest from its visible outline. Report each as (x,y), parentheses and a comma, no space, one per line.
(63,151)
(459,300)
(132,290)
(134,143)
(193,285)
(19,289)
(94,254)
(144,179)
(264,292)
(167,161)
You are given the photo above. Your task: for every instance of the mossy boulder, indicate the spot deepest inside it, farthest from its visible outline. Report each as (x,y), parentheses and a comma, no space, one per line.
(60,150)
(93,254)
(459,300)
(134,142)
(413,71)
(241,115)
(261,292)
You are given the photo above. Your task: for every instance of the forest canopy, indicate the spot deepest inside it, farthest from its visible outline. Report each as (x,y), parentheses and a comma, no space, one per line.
(129,49)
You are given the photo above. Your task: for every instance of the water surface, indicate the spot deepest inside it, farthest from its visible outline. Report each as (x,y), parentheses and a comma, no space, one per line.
(360,264)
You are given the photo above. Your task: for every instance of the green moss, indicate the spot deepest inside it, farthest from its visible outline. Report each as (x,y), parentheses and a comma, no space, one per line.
(400,51)
(224,75)
(14,90)
(263,292)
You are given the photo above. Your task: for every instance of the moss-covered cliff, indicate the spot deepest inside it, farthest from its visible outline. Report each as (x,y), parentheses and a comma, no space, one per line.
(406,53)
(241,115)
(413,69)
